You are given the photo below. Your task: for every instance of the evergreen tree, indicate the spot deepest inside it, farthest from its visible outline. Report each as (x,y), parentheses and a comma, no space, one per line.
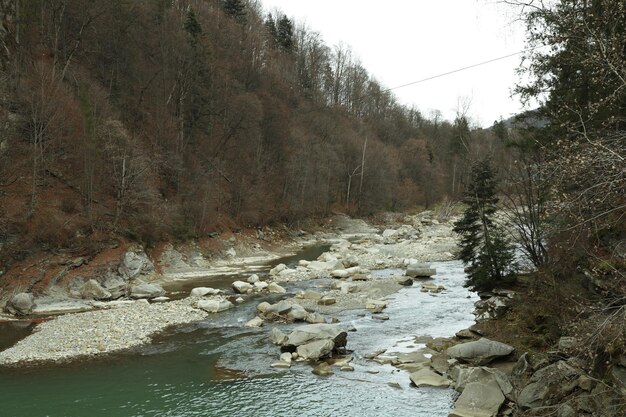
(284,36)
(270,25)
(192,27)
(580,78)
(235,8)
(484,247)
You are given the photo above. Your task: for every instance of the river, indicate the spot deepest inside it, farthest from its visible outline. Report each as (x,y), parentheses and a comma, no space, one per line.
(219,368)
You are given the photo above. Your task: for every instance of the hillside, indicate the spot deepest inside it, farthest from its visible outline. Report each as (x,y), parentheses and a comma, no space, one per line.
(153,120)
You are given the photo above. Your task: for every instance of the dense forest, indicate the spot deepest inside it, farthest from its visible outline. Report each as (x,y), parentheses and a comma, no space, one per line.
(160,119)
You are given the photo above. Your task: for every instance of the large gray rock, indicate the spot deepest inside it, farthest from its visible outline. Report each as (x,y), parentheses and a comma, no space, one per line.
(21,304)
(312,332)
(280,308)
(417,270)
(478,400)
(549,385)
(116,286)
(297,313)
(255,322)
(135,264)
(92,290)
(428,378)
(204,291)
(277,337)
(241,287)
(275,288)
(147,291)
(74,285)
(323,369)
(480,352)
(315,350)
(484,375)
(375,306)
(214,305)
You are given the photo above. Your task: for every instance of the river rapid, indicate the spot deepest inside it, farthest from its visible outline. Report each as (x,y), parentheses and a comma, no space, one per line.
(217,367)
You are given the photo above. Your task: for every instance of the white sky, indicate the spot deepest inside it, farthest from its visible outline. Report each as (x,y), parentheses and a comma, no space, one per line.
(400,41)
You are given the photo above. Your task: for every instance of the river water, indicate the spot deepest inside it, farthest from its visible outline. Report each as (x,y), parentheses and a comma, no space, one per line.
(219,368)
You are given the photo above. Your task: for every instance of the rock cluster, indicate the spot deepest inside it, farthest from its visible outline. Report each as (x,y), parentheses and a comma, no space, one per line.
(310,342)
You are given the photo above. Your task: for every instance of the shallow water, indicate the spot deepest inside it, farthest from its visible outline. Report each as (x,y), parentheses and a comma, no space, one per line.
(218,368)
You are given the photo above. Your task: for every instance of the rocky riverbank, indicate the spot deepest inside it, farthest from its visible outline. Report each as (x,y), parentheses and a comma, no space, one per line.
(112,326)
(121,326)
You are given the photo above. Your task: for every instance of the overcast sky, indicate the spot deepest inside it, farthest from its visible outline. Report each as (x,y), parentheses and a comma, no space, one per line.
(400,41)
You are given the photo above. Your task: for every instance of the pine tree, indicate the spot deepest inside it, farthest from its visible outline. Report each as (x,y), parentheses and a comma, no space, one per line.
(284,36)
(485,249)
(270,25)
(235,8)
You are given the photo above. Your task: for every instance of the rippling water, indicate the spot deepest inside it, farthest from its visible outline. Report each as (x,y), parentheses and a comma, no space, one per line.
(218,368)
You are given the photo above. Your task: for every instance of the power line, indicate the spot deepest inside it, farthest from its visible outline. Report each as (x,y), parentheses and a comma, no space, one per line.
(461,69)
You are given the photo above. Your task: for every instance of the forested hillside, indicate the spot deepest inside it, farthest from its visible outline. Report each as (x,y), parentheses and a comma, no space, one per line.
(156,119)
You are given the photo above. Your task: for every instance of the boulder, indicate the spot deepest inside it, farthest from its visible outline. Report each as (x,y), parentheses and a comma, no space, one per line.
(204,291)
(417,270)
(484,375)
(255,322)
(286,272)
(323,369)
(74,286)
(321,266)
(277,337)
(135,264)
(375,306)
(406,281)
(340,273)
(21,304)
(316,349)
(312,332)
(253,278)
(261,285)
(549,385)
(350,261)
(281,364)
(277,269)
(315,318)
(389,233)
(92,290)
(428,378)
(262,307)
(345,287)
(478,400)
(432,288)
(360,277)
(281,307)
(241,287)
(231,253)
(286,357)
(326,301)
(116,286)
(310,295)
(297,313)
(147,291)
(214,305)
(465,334)
(275,288)
(479,352)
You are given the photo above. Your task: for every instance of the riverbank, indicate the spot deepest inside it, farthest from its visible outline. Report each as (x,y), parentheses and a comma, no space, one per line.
(357,247)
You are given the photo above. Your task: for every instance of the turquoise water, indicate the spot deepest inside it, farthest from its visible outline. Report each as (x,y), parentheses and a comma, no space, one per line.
(219,368)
